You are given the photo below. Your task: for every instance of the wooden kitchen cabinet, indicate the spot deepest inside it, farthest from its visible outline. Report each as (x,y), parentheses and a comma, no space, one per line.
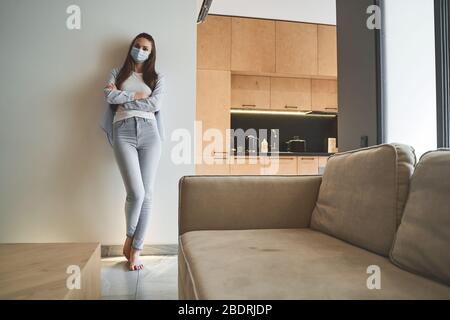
(252,45)
(214,43)
(246,165)
(322,164)
(213,112)
(290,94)
(327,51)
(215,163)
(324,95)
(261,64)
(308,166)
(296,48)
(250,92)
(280,165)
(218,165)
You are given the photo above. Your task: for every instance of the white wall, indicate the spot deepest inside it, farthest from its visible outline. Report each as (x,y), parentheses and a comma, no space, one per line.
(314,11)
(58,177)
(410,81)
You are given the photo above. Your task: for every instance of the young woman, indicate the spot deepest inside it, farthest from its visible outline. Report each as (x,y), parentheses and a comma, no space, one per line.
(135,92)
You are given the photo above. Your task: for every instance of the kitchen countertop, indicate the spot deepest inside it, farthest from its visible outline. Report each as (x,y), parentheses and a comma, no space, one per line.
(287,153)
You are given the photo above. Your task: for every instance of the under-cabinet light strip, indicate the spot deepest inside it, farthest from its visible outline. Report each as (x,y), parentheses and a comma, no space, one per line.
(295,113)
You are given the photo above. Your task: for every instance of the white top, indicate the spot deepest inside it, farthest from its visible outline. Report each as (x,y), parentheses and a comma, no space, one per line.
(134,83)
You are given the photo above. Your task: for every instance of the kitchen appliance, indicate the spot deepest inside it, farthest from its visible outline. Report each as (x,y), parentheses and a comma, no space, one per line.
(296,145)
(331,145)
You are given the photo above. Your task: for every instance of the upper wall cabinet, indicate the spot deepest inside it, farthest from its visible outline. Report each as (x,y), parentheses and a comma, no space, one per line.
(290,94)
(296,48)
(252,45)
(250,92)
(327,54)
(324,95)
(214,43)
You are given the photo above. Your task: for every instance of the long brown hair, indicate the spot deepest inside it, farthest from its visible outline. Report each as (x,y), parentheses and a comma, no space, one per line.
(149,74)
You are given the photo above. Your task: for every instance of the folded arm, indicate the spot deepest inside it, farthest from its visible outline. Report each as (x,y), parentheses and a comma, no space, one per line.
(153,102)
(114,96)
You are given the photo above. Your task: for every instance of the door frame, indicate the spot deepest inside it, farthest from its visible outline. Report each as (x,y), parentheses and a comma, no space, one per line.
(442,35)
(381,111)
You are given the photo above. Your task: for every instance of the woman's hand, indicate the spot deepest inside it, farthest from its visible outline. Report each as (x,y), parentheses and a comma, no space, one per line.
(140,95)
(111,86)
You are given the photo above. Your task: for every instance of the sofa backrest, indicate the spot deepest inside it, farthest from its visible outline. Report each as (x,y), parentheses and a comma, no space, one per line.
(422,243)
(362,195)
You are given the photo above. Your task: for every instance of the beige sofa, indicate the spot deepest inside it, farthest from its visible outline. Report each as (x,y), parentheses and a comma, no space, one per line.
(374,226)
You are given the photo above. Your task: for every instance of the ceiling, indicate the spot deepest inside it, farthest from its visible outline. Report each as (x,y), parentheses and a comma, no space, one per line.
(314,11)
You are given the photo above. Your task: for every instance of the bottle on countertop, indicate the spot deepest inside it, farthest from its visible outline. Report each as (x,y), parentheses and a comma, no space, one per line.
(264,146)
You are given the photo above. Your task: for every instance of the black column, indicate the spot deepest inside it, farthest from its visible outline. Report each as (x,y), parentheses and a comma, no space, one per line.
(442,28)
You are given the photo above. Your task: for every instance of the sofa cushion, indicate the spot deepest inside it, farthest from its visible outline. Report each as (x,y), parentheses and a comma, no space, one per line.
(289,264)
(422,242)
(362,195)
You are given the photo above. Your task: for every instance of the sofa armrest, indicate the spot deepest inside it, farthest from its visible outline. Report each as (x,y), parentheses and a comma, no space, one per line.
(246,202)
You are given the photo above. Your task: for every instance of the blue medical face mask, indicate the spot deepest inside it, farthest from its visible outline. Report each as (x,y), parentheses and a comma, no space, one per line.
(139,55)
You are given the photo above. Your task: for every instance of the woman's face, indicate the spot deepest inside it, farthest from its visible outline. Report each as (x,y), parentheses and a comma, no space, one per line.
(144,44)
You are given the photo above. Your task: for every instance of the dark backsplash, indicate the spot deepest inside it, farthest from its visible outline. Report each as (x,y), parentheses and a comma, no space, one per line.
(313,129)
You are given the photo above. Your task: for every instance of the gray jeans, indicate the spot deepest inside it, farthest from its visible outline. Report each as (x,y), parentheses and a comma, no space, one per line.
(137,149)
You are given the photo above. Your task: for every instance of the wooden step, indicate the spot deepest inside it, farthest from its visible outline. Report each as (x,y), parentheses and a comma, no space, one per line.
(42,271)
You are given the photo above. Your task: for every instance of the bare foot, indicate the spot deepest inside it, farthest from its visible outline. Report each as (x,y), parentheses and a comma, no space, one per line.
(127,247)
(134,262)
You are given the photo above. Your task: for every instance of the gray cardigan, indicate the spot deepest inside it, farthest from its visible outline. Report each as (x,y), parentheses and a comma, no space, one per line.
(126,98)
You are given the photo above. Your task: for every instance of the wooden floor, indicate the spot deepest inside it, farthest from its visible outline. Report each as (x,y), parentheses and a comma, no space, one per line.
(40,271)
